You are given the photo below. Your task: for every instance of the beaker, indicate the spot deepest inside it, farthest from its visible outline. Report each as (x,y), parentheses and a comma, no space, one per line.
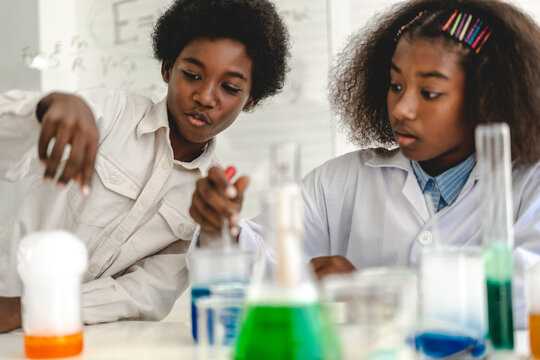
(218,273)
(453,303)
(375,310)
(51,265)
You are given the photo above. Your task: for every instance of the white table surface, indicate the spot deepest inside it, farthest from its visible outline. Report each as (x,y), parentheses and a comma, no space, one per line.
(121,340)
(164,340)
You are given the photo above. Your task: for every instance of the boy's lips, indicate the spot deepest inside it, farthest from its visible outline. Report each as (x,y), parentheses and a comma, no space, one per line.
(198,119)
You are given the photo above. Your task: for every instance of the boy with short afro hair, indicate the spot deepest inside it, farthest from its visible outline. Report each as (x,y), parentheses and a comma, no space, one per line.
(219,57)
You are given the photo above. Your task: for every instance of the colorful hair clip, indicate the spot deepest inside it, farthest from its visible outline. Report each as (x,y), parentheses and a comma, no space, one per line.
(459,27)
(402,29)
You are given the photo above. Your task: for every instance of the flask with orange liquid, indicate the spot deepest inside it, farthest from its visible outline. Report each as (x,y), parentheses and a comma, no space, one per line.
(532,290)
(50,265)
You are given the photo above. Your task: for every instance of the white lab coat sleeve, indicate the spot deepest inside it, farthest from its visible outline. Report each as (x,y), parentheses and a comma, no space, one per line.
(147,290)
(317,235)
(527,240)
(19,134)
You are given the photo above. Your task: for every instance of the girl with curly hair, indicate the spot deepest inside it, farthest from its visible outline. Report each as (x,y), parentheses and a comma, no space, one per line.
(410,89)
(219,57)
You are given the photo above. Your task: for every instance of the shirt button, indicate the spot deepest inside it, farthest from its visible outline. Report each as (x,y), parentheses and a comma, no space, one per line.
(180,228)
(117,235)
(144,201)
(166,164)
(113,179)
(425,238)
(93,269)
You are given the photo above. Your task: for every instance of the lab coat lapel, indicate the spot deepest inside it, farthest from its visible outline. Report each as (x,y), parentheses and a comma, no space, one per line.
(410,188)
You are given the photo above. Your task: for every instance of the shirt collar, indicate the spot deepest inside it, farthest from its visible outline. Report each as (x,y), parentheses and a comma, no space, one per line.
(154,119)
(203,161)
(451,182)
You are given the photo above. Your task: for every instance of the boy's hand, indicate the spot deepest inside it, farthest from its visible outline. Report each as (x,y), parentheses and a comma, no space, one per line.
(10,313)
(326,265)
(216,199)
(69,120)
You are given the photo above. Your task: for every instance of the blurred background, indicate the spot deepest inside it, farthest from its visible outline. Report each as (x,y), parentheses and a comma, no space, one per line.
(75,44)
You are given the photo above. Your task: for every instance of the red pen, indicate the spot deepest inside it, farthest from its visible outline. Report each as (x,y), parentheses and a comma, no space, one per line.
(230,192)
(229,172)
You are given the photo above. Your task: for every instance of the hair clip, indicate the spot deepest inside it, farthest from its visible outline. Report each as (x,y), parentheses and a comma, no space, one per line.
(404,27)
(461,27)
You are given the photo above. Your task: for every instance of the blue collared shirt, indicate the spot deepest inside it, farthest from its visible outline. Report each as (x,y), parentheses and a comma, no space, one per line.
(443,189)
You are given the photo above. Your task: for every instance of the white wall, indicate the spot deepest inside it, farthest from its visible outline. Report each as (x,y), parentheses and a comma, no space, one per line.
(71,44)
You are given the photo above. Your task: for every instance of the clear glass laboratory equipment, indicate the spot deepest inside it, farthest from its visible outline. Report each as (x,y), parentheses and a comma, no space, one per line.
(495,182)
(375,311)
(453,314)
(284,317)
(50,265)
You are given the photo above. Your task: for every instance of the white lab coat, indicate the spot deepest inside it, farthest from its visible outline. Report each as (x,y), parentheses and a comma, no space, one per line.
(368,207)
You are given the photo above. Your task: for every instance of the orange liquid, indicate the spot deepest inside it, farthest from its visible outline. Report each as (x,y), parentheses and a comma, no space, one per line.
(534,334)
(49,347)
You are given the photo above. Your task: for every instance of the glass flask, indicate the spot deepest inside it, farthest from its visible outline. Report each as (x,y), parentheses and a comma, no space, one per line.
(284,317)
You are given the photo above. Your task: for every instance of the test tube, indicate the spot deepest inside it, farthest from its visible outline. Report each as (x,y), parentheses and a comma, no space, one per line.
(493,159)
(50,265)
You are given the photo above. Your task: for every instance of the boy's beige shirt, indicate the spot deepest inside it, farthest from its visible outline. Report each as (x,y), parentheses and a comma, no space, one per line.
(135,222)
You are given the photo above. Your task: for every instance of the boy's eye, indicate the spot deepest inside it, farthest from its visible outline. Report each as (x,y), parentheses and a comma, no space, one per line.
(191,76)
(231,89)
(395,87)
(430,95)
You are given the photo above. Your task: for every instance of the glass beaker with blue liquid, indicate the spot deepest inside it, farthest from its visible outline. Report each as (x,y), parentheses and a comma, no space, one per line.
(453,304)
(222,273)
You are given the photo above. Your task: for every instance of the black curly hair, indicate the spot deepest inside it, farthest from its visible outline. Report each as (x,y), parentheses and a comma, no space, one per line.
(501,80)
(255,23)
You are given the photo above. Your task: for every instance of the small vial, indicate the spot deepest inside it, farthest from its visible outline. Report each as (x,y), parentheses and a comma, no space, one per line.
(50,265)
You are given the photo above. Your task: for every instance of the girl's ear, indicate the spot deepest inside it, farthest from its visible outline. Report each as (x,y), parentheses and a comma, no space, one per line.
(250,103)
(165,67)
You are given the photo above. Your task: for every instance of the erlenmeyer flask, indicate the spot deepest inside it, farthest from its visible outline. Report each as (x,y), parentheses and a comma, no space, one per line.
(284,318)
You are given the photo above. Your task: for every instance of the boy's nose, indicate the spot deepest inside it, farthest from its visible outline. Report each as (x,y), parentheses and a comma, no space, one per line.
(206,96)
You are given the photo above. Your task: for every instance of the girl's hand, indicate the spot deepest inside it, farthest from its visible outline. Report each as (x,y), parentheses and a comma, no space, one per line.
(216,199)
(10,313)
(69,120)
(326,265)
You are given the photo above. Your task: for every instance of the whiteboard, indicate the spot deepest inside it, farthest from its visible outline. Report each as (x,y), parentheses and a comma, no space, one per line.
(75,44)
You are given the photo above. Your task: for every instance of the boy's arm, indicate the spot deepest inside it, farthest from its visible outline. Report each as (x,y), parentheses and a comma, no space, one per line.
(27,119)
(147,290)
(10,313)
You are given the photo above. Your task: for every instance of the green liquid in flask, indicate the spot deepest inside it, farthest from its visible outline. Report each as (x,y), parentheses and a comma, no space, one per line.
(295,332)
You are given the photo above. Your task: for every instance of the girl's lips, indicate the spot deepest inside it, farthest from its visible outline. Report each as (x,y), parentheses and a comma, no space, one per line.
(404,139)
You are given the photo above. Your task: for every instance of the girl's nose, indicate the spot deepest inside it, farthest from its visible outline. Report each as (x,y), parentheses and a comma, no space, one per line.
(405,107)
(206,96)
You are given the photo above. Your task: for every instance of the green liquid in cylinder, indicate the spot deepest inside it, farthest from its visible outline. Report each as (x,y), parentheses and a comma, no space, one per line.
(501,327)
(499,268)
(295,332)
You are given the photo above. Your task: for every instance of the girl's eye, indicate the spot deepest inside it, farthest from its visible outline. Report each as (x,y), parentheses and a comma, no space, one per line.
(231,89)
(395,87)
(191,76)
(430,95)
